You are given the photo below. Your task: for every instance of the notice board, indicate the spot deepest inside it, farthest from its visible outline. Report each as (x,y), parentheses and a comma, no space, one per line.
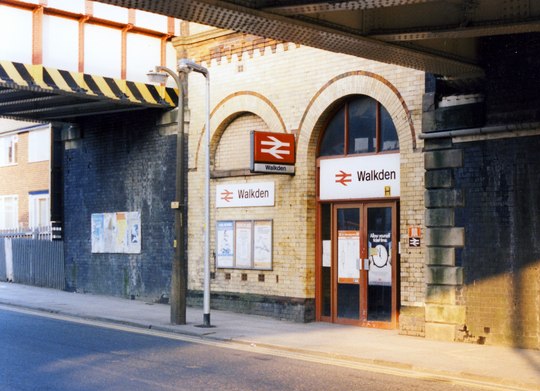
(244,244)
(118,232)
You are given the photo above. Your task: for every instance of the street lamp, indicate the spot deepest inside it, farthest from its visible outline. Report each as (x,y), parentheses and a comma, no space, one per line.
(186,66)
(179,269)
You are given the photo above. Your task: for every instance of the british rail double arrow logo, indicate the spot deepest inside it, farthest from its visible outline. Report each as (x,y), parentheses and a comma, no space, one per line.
(226,195)
(275,147)
(343,177)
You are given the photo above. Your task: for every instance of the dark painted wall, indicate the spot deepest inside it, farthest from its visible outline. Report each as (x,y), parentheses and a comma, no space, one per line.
(512,89)
(121,163)
(501,185)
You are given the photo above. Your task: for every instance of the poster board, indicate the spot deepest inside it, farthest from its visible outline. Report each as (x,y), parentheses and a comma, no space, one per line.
(327,253)
(244,244)
(348,256)
(118,232)
(380,258)
(225,244)
(262,244)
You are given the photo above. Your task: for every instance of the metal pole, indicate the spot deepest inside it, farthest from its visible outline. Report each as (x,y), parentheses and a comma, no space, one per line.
(189,65)
(179,269)
(206,306)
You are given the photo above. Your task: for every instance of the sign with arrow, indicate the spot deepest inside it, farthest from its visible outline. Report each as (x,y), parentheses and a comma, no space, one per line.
(360,177)
(272,152)
(233,195)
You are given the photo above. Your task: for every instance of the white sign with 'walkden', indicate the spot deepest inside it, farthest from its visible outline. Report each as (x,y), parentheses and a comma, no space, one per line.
(372,176)
(234,195)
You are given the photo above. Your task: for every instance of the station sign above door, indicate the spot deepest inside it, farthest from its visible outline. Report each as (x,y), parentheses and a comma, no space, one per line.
(272,152)
(360,177)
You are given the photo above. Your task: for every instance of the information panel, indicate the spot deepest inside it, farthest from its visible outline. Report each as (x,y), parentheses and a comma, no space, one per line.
(244,244)
(262,243)
(118,232)
(348,256)
(225,244)
(243,235)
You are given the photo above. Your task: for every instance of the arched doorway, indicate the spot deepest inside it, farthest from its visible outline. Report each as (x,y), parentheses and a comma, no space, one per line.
(358,188)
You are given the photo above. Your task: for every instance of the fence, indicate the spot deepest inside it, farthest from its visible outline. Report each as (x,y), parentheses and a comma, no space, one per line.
(32,258)
(40,233)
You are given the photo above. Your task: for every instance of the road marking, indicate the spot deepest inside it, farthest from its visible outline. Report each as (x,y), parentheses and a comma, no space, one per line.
(274,351)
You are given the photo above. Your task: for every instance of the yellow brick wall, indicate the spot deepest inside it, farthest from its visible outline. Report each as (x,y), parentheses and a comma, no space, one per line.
(233,149)
(292,89)
(21,178)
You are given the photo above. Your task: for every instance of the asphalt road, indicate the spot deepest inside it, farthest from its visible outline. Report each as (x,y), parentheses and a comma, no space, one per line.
(43,353)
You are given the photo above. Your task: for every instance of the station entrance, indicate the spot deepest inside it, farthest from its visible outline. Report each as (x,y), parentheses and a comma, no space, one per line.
(357,271)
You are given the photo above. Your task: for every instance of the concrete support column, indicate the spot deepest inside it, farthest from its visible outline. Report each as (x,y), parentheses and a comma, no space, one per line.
(443,314)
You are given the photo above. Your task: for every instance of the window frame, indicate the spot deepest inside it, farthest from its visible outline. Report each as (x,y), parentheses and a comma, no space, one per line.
(346,128)
(34,212)
(3,214)
(39,145)
(8,150)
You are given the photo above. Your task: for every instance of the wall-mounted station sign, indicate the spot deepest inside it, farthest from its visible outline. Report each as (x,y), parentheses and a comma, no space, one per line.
(272,152)
(372,176)
(233,195)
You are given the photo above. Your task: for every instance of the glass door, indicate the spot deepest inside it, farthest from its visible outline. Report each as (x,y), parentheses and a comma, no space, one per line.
(347,282)
(381,258)
(357,271)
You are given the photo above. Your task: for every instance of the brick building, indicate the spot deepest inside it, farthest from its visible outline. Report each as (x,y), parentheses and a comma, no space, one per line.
(458,254)
(269,86)
(442,242)
(468,188)
(24,175)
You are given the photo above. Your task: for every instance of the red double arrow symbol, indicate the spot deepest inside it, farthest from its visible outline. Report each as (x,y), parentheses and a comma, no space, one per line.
(343,177)
(226,195)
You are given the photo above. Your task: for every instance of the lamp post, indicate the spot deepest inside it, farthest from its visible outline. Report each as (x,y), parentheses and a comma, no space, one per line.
(179,267)
(186,65)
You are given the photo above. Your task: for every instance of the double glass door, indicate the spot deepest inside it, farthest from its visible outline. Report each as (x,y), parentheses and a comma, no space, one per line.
(357,271)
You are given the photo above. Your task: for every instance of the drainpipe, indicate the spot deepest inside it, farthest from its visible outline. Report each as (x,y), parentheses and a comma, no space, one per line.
(480,131)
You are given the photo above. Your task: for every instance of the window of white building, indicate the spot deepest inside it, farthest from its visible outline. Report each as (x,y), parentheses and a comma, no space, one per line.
(39,145)
(9,211)
(38,209)
(8,150)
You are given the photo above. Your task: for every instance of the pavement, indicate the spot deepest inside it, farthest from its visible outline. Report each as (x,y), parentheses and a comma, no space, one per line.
(498,367)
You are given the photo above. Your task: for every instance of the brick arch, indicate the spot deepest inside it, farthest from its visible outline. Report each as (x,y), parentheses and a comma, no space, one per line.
(346,84)
(230,108)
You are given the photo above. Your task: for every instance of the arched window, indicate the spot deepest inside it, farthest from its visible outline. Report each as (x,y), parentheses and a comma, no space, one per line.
(361,125)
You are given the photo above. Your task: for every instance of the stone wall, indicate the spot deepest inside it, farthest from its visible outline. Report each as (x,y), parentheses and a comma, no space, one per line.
(121,163)
(501,260)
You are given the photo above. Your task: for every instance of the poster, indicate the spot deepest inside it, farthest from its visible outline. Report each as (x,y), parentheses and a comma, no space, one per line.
(98,235)
(380,258)
(348,256)
(326,253)
(225,244)
(243,242)
(262,244)
(118,232)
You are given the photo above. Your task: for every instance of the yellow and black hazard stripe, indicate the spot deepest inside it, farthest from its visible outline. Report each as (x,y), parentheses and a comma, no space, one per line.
(50,80)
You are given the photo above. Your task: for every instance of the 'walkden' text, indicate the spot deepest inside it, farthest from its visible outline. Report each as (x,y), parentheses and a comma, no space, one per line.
(259,193)
(374,175)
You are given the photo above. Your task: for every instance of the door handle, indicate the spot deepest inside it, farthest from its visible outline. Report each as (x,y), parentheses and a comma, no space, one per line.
(366,264)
